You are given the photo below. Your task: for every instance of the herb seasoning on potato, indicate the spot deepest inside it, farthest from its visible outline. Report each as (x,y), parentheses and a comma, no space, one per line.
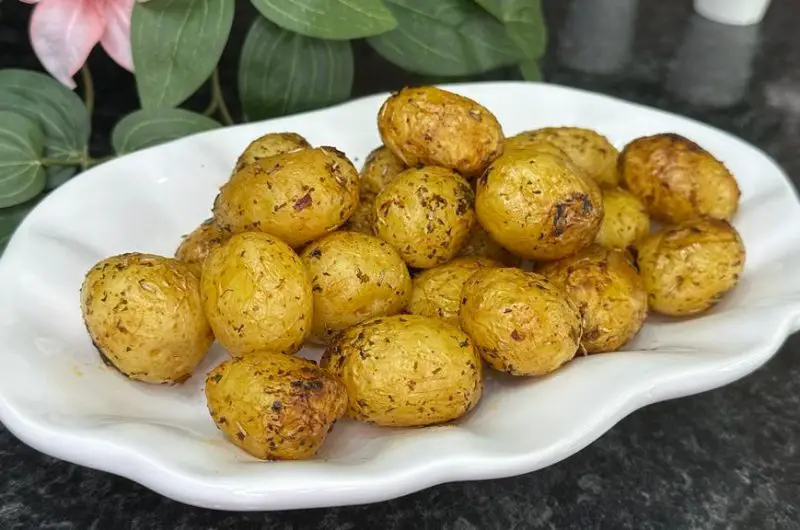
(379,169)
(521,323)
(625,219)
(274,406)
(431,126)
(406,371)
(195,246)
(145,317)
(270,145)
(480,244)
(363,218)
(257,295)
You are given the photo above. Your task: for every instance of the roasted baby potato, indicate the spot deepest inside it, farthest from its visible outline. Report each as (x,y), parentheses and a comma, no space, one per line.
(537,205)
(608,291)
(689,267)
(528,141)
(625,219)
(195,246)
(379,169)
(431,126)
(257,295)
(480,244)
(426,214)
(145,318)
(270,144)
(406,371)
(354,277)
(297,196)
(363,218)
(589,150)
(521,323)
(437,291)
(274,406)
(677,179)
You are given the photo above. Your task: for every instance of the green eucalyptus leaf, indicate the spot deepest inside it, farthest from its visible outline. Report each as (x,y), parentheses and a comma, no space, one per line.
(22,176)
(329,19)
(11,217)
(60,113)
(530,70)
(282,72)
(445,37)
(148,127)
(176,46)
(524,21)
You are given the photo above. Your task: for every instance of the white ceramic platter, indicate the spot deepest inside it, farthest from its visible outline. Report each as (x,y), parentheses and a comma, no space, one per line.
(56,395)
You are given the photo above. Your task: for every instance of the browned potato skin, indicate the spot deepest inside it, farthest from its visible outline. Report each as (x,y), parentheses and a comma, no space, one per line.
(145,317)
(431,126)
(437,291)
(257,295)
(297,196)
(677,179)
(363,218)
(426,214)
(354,277)
(379,169)
(608,291)
(270,144)
(480,244)
(589,150)
(625,219)
(195,246)
(689,267)
(406,371)
(521,323)
(538,206)
(528,141)
(274,406)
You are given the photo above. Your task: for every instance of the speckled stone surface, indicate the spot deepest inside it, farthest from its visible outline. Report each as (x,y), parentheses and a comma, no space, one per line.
(729,458)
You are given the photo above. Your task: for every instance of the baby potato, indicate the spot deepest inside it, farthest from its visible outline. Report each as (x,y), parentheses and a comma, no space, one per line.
(354,277)
(538,206)
(379,169)
(145,317)
(431,126)
(195,246)
(297,196)
(257,295)
(678,180)
(426,214)
(521,323)
(363,218)
(625,220)
(437,291)
(406,371)
(588,149)
(270,144)
(608,291)
(528,141)
(274,406)
(689,267)
(481,244)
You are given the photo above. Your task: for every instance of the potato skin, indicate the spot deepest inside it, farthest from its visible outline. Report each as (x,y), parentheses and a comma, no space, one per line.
(625,220)
(426,214)
(257,295)
(689,267)
(437,291)
(431,126)
(195,246)
(297,196)
(363,218)
(270,144)
(608,291)
(274,406)
(406,371)
(145,317)
(354,277)
(528,141)
(480,244)
(587,149)
(521,323)
(538,206)
(677,179)
(379,169)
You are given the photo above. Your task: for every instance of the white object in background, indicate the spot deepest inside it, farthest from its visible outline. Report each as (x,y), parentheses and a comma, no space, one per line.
(733,12)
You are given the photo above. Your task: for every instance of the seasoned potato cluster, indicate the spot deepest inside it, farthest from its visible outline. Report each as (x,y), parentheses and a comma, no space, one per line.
(454,249)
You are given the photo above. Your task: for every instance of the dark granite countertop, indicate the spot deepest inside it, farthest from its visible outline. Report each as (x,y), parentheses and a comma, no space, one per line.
(729,458)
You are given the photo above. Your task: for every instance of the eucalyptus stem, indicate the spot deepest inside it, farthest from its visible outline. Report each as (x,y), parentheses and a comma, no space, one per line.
(219,99)
(88,89)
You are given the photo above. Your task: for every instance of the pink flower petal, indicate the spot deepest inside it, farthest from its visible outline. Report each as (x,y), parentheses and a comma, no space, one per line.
(116,41)
(63,32)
